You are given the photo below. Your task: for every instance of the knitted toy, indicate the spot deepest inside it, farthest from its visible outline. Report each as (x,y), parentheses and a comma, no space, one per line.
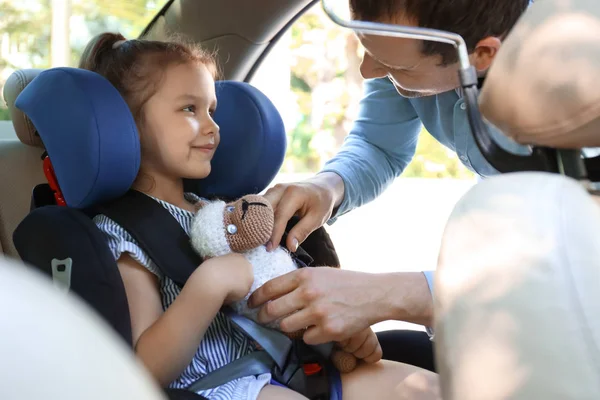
(244,226)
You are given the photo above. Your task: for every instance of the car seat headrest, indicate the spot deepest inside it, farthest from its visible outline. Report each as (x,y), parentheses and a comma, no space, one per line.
(88,131)
(543,86)
(14,85)
(253,143)
(92,140)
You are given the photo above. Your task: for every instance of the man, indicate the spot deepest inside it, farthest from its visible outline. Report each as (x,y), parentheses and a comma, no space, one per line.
(408,83)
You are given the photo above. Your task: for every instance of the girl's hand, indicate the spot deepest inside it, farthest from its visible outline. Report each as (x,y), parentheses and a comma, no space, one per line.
(231,275)
(364,345)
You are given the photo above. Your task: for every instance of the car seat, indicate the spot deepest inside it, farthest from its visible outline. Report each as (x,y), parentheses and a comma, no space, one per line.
(92,142)
(517,289)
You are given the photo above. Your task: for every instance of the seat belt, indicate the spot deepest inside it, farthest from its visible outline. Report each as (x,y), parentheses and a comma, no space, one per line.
(170,249)
(276,344)
(255,363)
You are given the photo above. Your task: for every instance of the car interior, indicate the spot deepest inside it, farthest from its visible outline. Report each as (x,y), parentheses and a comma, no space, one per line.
(241,40)
(541,90)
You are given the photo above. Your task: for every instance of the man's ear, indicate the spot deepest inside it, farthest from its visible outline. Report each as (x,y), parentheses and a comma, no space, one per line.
(485,52)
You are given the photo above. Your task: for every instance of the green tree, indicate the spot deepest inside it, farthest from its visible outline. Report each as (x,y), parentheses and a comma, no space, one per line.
(128,17)
(28,26)
(433,160)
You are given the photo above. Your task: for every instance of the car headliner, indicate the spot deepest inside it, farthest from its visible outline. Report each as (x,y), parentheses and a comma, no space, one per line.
(241,31)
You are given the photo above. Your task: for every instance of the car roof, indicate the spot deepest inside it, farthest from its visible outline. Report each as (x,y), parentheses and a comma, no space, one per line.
(242,31)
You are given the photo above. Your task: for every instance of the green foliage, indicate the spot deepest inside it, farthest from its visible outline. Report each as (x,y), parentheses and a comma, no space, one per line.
(4,115)
(27,25)
(30,28)
(298,84)
(433,160)
(299,155)
(129,17)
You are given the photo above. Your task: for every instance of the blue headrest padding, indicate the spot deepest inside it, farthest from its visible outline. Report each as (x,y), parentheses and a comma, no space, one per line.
(88,131)
(253,143)
(92,140)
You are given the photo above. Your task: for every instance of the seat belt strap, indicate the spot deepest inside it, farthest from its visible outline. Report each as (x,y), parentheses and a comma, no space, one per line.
(275,343)
(255,363)
(168,247)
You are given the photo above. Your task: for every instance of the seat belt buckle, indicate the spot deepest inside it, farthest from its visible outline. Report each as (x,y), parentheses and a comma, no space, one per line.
(53,182)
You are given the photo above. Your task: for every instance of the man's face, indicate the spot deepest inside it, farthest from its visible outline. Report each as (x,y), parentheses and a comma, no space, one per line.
(402,61)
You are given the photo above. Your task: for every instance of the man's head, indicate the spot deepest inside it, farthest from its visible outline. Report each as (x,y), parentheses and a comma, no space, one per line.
(421,68)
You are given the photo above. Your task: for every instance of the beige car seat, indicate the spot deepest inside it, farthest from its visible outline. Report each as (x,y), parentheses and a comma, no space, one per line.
(20,164)
(518,282)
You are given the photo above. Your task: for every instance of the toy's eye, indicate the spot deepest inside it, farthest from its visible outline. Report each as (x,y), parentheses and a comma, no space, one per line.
(230,209)
(232,229)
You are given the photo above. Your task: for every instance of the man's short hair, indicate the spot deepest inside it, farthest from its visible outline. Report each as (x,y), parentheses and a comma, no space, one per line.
(472,19)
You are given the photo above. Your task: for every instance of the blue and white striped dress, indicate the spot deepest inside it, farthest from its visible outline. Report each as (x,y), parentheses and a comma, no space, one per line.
(222,342)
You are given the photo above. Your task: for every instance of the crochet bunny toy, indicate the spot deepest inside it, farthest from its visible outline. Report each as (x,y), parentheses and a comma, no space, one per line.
(244,226)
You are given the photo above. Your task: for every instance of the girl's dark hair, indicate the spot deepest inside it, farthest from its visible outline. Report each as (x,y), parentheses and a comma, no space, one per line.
(135,66)
(474,20)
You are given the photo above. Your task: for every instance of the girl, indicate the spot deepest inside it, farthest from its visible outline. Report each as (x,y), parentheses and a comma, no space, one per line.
(180,335)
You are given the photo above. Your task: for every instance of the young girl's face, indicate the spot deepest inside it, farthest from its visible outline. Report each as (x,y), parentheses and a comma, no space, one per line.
(178,135)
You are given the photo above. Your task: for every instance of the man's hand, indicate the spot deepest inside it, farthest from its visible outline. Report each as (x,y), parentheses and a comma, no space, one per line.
(364,345)
(312,200)
(334,304)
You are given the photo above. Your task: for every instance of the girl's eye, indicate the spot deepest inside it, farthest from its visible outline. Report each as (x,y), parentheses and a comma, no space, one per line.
(189,108)
(211,112)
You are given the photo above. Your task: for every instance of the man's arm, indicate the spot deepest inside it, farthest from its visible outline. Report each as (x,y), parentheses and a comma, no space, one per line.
(407,298)
(337,304)
(380,145)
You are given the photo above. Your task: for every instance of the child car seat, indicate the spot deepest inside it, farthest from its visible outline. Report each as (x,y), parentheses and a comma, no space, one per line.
(91,138)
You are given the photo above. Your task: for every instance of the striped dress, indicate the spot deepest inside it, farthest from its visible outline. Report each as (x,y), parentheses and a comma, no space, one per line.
(222,342)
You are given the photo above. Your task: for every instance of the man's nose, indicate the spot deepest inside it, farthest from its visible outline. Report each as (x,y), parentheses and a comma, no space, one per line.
(370,69)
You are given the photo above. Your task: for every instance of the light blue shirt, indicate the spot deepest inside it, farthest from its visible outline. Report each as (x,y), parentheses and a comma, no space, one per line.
(383,140)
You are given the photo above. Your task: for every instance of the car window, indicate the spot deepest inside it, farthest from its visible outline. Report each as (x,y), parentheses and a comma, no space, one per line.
(312,76)
(44,33)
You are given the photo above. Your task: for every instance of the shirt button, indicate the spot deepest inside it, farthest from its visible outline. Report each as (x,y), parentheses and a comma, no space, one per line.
(464,158)
(463,106)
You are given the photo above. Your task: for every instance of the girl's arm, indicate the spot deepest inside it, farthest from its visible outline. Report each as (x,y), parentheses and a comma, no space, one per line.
(166,342)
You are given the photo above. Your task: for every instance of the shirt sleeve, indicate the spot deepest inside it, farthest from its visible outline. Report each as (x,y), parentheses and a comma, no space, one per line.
(380,145)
